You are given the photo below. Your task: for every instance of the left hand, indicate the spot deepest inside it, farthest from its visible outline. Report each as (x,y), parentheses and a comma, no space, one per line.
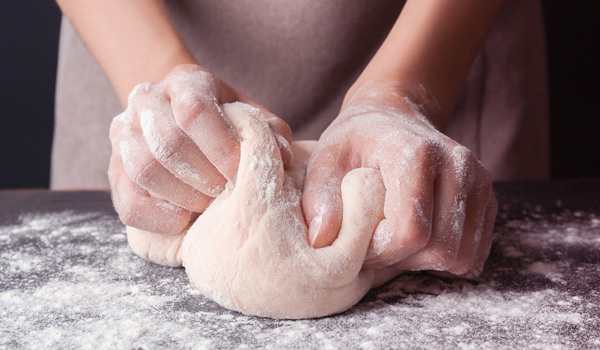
(439,207)
(174,149)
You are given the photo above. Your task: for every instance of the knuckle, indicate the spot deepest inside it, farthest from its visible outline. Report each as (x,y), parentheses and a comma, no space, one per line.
(167,147)
(464,167)
(463,152)
(207,78)
(179,69)
(482,195)
(184,70)
(426,146)
(190,77)
(188,109)
(143,172)
(145,175)
(140,92)
(120,122)
(429,153)
(463,159)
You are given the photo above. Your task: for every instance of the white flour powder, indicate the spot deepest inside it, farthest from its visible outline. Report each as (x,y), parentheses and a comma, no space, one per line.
(69,281)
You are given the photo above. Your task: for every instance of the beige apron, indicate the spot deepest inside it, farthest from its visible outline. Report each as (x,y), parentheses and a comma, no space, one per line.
(298,58)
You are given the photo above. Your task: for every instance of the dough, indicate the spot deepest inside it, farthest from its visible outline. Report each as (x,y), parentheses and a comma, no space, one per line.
(249,250)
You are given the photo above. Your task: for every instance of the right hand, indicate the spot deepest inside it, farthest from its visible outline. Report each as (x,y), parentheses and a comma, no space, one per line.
(173,149)
(439,208)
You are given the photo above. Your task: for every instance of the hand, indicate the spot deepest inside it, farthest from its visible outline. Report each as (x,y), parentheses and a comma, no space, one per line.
(173,149)
(439,208)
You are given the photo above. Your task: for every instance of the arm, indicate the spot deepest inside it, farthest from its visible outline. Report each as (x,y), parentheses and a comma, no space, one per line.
(432,44)
(173,149)
(439,209)
(134,41)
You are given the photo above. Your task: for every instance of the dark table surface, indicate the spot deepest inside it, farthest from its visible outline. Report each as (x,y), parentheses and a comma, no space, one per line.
(68,280)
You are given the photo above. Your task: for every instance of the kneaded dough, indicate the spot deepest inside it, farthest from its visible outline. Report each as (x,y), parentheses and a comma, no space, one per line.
(249,250)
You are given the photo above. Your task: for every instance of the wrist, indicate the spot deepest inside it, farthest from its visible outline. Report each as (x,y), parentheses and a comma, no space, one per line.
(412,99)
(152,70)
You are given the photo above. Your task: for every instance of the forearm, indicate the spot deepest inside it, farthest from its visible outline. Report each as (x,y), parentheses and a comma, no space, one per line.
(133,41)
(431,47)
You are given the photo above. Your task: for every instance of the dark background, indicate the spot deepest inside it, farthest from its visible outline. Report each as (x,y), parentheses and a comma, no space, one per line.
(29,43)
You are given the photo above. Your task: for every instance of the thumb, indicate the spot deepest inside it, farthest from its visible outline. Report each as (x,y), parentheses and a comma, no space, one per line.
(363,195)
(321,200)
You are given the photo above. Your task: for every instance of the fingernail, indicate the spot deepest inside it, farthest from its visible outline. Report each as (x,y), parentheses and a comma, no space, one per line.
(313,229)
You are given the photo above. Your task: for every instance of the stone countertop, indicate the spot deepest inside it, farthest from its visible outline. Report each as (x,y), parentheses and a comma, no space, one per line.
(68,280)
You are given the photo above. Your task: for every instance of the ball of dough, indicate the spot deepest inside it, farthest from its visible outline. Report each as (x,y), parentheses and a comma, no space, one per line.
(249,250)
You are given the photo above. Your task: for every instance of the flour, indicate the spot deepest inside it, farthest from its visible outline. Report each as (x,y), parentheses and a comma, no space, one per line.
(69,281)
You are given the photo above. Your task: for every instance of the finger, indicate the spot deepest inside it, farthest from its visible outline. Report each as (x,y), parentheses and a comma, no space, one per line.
(177,152)
(158,248)
(455,180)
(321,200)
(143,169)
(194,100)
(137,209)
(486,239)
(476,207)
(408,209)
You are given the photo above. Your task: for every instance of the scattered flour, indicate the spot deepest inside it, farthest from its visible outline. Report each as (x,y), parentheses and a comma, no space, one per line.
(69,281)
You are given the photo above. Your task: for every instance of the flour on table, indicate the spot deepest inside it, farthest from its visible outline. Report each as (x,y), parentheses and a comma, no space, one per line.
(68,281)
(249,250)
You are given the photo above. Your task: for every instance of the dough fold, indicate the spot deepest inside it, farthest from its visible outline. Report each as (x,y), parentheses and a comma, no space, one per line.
(249,250)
